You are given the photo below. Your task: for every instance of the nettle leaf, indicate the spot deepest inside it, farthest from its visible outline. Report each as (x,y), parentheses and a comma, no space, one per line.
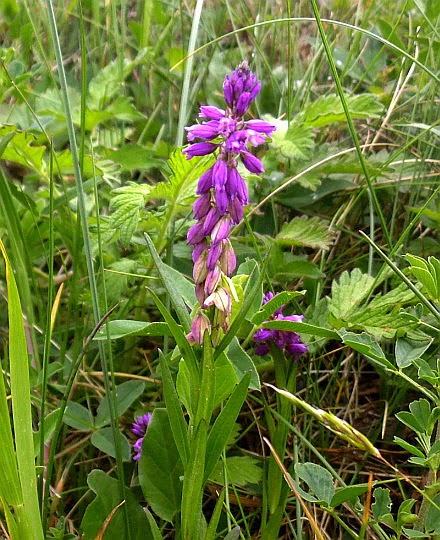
(305,231)
(109,80)
(20,149)
(348,293)
(126,204)
(292,143)
(328,109)
(179,188)
(382,317)
(241,471)
(133,157)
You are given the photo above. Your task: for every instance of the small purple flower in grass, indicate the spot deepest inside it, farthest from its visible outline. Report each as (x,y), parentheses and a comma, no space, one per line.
(139,429)
(222,194)
(289,342)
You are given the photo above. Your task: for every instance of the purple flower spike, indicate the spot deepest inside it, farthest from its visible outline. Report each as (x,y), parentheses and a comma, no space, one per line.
(139,429)
(289,342)
(222,195)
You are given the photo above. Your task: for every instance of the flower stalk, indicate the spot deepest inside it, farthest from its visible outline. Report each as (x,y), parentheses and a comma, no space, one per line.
(222,195)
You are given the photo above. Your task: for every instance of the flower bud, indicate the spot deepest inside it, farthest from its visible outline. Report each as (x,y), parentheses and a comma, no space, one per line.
(199,326)
(212,280)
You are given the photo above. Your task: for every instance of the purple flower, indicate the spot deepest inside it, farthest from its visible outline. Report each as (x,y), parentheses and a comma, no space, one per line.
(139,429)
(289,342)
(222,192)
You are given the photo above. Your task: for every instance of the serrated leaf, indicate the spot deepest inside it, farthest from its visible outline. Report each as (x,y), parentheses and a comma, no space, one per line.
(108,82)
(348,292)
(241,471)
(184,175)
(292,143)
(318,479)
(134,157)
(126,205)
(305,231)
(328,109)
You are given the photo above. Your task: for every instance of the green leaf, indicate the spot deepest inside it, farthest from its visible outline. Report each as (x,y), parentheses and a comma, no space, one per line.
(432,523)
(348,494)
(183,385)
(382,503)
(365,344)
(124,328)
(104,440)
(107,84)
(126,395)
(225,379)
(78,417)
(328,109)
(178,424)
(275,303)
(160,467)
(408,350)
(135,157)
(428,273)
(183,286)
(318,479)
(304,231)
(409,447)
(223,426)
(241,470)
(20,149)
(28,514)
(301,328)
(292,143)
(348,293)
(243,364)
(168,282)
(125,205)
(108,497)
(180,187)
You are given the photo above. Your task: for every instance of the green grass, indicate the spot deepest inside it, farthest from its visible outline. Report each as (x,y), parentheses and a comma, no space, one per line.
(94,98)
